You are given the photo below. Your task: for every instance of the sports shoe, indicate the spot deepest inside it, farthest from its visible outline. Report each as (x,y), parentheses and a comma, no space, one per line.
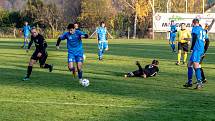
(51,68)
(100,58)
(187,85)
(199,86)
(177,63)
(204,81)
(183,63)
(80,81)
(25,79)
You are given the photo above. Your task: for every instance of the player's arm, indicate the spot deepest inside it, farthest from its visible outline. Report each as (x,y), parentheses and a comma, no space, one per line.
(43,45)
(93,33)
(109,34)
(207,42)
(194,38)
(211,25)
(62,37)
(83,34)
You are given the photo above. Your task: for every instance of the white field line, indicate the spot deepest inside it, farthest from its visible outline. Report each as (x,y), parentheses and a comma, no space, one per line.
(101,105)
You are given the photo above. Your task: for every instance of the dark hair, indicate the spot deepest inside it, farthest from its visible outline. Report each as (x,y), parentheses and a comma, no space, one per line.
(195,20)
(183,24)
(33,28)
(70,26)
(156,62)
(172,20)
(102,22)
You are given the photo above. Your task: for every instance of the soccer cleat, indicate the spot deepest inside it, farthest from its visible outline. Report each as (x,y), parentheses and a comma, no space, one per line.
(187,85)
(100,59)
(184,63)
(204,81)
(80,81)
(51,68)
(177,63)
(199,86)
(26,79)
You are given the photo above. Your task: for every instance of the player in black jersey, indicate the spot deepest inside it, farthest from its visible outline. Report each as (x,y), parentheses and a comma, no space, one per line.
(40,53)
(149,70)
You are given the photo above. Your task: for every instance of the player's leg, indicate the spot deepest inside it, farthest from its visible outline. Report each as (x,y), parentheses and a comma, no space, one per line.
(185,49)
(179,54)
(71,61)
(79,61)
(189,82)
(100,50)
(32,61)
(172,42)
(136,73)
(25,41)
(197,68)
(43,63)
(204,80)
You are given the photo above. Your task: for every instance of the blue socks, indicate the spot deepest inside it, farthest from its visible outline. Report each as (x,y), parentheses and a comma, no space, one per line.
(100,53)
(80,72)
(198,75)
(190,75)
(173,47)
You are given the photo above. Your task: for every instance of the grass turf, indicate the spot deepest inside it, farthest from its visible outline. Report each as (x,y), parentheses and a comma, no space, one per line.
(57,96)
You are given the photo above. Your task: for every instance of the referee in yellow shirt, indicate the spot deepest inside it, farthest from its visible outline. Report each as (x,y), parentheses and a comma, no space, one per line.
(183,38)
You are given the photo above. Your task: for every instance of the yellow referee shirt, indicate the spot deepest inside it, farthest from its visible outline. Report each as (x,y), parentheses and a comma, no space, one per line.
(182,35)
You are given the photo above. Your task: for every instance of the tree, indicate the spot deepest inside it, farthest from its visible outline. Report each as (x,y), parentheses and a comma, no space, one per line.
(46,14)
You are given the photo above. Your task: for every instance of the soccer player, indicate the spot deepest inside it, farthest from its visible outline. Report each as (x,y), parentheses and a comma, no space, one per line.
(149,70)
(102,39)
(40,53)
(75,49)
(197,49)
(183,37)
(172,31)
(26,31)
(207,42)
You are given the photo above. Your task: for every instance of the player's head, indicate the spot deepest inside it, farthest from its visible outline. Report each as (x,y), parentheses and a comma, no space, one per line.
(71,28)
(195,22)
(34,32)
(26,23)
(206,26)
(172,22)
(183,26)
(102,24)
(155,62)
(76,25)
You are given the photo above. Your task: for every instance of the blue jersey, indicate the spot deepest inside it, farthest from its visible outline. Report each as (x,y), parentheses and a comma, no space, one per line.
(74,43)
(173,29)
(102,34)
(200,34)
(26,30)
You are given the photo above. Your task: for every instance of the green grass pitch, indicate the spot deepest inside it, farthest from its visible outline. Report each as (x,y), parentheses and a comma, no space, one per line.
(57,96)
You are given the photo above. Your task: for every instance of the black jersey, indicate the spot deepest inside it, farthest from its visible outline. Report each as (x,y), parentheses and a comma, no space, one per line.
(150,70)
(40,43)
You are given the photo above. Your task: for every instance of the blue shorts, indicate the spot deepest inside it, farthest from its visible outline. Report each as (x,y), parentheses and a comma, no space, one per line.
(172,37)
(26,36)
(196,56)
(103,45)
(78,57)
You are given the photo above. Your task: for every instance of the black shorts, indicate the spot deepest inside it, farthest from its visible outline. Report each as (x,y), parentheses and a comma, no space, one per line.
(42,59)
(183,46)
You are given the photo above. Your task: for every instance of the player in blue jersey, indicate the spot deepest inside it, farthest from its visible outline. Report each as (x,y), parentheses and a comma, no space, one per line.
(197,49)
(26,32)
(172,38)
(102,40)
(75,48)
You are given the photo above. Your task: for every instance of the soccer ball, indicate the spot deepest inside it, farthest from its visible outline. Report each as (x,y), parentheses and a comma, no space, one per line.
(85,82)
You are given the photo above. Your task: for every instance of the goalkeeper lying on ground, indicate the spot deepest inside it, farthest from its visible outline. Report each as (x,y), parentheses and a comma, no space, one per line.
(149,70)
